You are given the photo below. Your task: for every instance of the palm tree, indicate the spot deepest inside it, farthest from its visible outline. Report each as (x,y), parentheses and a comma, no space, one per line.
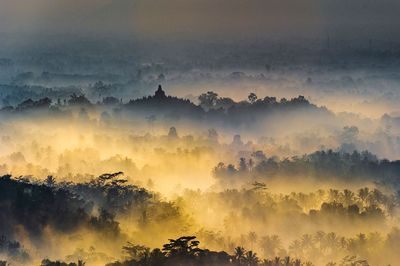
(319,239)
(363,194)
(239,254)
(286,261)
(50,181)
(277,261)
(376,197)
(307,242)
(332,241)
(348,197)
(251,258)
(296,248)
(135,251)
(270,245)
(297,262)
(333,194)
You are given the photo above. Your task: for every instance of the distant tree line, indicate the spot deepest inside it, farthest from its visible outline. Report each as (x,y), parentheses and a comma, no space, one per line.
(211,107)
(325,165)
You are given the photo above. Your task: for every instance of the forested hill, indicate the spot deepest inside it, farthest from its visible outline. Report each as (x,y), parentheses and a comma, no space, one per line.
(210,107)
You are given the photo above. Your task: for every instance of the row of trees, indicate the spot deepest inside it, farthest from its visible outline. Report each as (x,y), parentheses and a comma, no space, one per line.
(327,165)
(211,107)
(211,101)
(266,222)
(186,251)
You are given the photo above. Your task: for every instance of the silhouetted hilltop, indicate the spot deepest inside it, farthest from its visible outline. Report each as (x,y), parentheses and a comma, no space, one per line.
(36,205)
(222,109)
(211,107)
(168,106)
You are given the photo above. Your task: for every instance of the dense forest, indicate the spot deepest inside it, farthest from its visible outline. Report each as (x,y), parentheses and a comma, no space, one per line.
(328,165)
(199,133)
(66,208)
(179,192)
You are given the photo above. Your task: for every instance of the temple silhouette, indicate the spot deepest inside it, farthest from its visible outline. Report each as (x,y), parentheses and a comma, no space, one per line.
(165,106)
(160,93)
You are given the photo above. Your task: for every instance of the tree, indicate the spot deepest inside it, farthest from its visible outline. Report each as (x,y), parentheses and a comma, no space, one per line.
(239,254)
(363,194)
(251,258)
(348,197)
(110,100)
(183,246)
(208,100)
(50,181)
(270,245)
(78,100)
(252,97)
(307,241)
(135,252)
(242,165)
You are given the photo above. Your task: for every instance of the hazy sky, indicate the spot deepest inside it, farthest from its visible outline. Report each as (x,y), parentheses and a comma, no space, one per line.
(204,18)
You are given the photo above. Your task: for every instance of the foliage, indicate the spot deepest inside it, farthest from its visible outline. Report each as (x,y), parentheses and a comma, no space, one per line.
(327,165)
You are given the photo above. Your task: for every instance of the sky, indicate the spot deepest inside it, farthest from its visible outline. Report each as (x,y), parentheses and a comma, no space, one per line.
(202,19)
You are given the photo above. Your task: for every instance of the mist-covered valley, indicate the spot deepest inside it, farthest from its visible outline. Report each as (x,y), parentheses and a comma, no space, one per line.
(193,133)
(268,176)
